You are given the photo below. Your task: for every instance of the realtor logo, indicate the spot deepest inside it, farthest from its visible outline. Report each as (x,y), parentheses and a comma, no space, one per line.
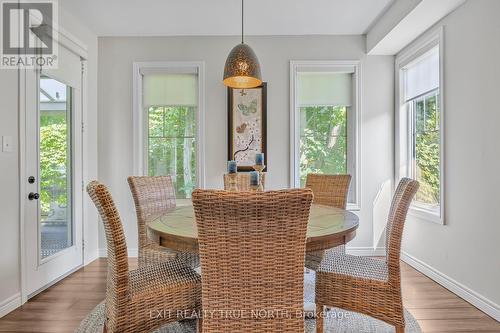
(28,36)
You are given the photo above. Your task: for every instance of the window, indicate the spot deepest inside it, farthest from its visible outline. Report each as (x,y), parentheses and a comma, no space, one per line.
(324,112)
(424,145)
(172,145)
(420,126)
(170,101)
(323,140)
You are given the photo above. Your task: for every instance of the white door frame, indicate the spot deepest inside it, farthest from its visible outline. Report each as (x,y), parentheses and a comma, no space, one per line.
(73,44)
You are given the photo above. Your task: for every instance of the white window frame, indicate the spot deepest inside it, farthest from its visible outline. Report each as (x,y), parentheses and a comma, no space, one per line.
(402,122)
(354,119)
(140,127)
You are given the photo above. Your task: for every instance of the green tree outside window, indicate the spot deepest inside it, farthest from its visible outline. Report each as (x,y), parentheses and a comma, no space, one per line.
(323,140)
(427,148)
(172,146)
(54,162)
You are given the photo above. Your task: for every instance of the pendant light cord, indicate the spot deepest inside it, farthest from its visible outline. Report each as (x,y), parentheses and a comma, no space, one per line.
(242,21)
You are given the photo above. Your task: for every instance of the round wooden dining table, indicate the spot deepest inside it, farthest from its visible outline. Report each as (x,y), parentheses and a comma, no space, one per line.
(328,227)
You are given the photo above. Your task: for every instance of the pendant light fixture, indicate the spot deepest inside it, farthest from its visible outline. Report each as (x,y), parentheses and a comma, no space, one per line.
(242,69)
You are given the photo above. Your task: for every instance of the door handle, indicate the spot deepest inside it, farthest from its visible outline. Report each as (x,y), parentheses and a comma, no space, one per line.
(32,196)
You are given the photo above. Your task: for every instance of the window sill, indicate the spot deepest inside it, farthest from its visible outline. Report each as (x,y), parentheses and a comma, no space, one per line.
(426,214)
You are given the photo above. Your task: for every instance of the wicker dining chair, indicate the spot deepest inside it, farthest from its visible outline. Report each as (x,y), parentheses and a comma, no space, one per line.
(243,181)
(136,300)
(155,196)
(252,258)
(329,190)
(367,285)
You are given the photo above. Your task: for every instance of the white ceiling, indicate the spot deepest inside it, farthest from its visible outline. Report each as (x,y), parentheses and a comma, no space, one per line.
(222,17)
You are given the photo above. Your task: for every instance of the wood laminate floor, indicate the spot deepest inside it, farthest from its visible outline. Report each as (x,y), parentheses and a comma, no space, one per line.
(62,307)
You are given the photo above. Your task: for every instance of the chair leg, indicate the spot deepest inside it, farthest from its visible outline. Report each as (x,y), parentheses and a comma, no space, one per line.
(400,329)
(319,318)
(200,325)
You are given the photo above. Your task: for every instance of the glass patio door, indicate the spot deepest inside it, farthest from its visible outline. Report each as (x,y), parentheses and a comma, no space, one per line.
(55,164)
(53,205)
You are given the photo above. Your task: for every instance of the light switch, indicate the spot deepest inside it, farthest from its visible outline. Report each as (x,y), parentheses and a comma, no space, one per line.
(7,144)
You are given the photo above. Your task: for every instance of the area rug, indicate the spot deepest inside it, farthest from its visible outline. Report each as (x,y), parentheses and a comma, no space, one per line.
(338,321)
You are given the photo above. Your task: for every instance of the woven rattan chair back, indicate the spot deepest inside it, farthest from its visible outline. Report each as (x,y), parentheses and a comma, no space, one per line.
(329,190)
(131,296)
(403,196)
(252,258)
(243,181)
(153,196)
(117,279)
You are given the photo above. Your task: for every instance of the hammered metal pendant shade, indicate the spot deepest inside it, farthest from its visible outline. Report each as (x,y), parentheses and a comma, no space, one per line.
(242,69)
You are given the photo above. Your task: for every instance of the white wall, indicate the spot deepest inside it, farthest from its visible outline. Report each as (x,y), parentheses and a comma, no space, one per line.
(116,55)
(467,248)
(9,193)
(10,273)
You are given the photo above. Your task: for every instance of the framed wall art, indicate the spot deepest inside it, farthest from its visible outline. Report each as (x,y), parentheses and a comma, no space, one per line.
(247,128)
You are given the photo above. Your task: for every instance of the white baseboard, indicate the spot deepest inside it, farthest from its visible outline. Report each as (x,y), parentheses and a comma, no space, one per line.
(10,304)
(91,256)
(132,253)
(366,251)
(479,301)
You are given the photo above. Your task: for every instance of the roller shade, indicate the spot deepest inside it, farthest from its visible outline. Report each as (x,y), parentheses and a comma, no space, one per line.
(170,89)
(315,88)
(422,76)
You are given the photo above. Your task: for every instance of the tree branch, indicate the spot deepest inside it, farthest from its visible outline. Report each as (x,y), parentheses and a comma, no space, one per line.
(242,150)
